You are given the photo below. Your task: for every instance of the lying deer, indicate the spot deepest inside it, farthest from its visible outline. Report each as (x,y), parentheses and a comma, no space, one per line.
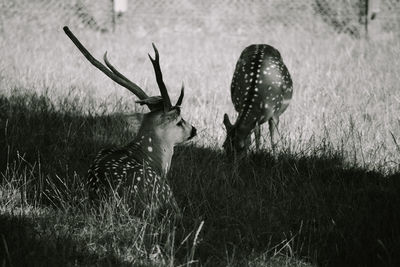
(139,169)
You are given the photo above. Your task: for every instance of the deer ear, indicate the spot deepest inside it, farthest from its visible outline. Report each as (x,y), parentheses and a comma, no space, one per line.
(227,122)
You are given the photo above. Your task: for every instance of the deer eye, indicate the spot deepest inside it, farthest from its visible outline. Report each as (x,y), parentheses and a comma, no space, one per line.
(180,123)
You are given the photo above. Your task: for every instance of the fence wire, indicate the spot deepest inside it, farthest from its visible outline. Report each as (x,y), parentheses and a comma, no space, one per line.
(241,16)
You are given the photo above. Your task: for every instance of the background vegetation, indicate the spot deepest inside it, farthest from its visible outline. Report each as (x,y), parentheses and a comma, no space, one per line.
(330,198)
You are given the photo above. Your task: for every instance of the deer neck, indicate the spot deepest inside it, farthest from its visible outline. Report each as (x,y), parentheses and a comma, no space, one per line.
(241,129)
(148,146)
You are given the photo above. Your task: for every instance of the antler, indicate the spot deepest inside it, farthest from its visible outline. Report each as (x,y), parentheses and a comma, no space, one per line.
(179,102)
(113,73)
(160,82)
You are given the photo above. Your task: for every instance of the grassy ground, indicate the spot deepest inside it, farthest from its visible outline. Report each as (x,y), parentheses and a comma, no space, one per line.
(330,198)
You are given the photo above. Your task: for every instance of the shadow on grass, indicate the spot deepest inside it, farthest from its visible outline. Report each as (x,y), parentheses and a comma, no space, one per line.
(312,207)
(22,244)
(62,139)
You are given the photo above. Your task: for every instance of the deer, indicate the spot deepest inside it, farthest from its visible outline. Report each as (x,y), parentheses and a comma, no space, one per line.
(261,90)
(138,170)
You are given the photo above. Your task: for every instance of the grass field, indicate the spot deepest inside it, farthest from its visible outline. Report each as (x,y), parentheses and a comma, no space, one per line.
(330,198)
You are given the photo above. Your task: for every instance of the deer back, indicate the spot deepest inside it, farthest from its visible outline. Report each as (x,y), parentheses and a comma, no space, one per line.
(261,85)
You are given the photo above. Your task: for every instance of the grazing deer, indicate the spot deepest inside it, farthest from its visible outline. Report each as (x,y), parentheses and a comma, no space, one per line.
(138,170)
(261,90)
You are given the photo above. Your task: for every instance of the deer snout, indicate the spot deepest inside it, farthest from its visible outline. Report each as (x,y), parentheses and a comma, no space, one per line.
(193,133)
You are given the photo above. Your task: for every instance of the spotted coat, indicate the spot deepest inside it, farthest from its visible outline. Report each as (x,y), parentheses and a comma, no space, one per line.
(261,86)
(130,172)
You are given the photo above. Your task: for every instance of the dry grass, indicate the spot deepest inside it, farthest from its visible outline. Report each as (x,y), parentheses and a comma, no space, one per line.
(322,201)
(342,85)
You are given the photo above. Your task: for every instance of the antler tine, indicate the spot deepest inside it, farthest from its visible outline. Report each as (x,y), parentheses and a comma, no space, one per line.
(115,75)
(159,78)
(119,74)
(179,102)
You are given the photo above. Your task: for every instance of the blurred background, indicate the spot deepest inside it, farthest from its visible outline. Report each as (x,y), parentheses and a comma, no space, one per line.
(232,17)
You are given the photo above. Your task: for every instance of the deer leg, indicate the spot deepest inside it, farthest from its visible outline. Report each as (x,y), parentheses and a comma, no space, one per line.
(273,125)
(247,142)
(257,136)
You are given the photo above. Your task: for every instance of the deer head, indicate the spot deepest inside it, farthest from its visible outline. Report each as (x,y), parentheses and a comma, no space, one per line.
(237,139)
